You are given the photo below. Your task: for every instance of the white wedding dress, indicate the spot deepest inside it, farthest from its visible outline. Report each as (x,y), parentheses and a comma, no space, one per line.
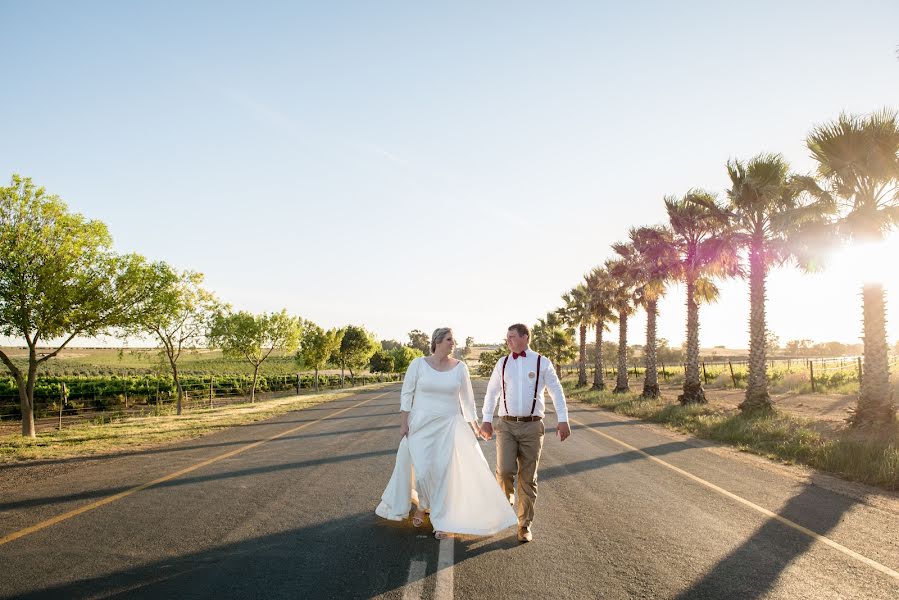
(439,465)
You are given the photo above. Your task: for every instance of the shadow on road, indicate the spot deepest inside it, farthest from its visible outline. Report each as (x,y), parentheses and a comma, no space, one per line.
(752,569)
(182,481)
(359,556)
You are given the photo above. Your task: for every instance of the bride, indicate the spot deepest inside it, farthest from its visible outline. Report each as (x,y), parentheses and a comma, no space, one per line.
(439,464)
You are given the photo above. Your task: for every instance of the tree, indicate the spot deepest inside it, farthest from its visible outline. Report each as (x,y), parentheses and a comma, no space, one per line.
(772,343)
(403,357)
(653,265)
(255,337)
(389,345)
(625,271)
(551,338)
(420,340)
(59,279)
(577,313)
(487,360)
(317,346)
(764,213)
(179,315)
(858,164)
(704,250)
(356,348)
(381,362)
(601,286)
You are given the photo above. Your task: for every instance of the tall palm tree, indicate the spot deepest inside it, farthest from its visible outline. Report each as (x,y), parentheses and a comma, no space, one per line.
(576,313)
(601,287)
(655,266)
(704,250)
(858,163)
(766,211)
(625,271)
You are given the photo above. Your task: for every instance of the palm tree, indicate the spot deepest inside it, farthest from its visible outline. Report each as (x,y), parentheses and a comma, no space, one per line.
(551,338)
(704,250)
(625,270)
(765,212)
(601,287)
(576,313)
(858,163)
(655,264)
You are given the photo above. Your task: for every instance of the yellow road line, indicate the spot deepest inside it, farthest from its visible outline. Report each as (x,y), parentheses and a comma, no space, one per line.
(817,536)
(87,507)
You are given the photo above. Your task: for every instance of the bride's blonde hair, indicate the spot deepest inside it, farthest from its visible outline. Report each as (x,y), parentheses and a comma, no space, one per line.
(437,337)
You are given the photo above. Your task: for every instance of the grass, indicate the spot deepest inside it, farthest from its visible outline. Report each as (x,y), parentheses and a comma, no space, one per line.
(868,457)
(140,432)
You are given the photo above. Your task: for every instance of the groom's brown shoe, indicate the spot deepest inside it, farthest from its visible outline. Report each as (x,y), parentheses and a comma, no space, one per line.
(524,534)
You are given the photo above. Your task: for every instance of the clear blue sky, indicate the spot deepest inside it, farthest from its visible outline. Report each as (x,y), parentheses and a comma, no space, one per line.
(404,165)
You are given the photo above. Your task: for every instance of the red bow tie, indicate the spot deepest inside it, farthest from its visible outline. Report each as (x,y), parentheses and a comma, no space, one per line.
(515,355)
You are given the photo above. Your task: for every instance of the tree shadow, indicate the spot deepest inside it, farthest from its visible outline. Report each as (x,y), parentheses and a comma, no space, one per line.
(358,556)
(752,569)
(182,481)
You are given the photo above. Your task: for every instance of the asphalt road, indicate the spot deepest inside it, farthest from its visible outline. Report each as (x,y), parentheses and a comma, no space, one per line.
(285,509)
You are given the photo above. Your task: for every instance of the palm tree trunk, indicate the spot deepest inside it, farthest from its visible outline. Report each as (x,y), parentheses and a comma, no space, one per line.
(621,382)
(757,397)
(693,392)
(598,383)
(651,377)
(875,403)
(582,358)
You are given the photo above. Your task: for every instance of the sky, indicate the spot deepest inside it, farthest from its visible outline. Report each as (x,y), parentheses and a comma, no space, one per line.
(405,165)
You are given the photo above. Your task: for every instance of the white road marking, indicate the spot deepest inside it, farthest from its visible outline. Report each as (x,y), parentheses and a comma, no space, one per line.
(445,560)
(415,582)
(817,536)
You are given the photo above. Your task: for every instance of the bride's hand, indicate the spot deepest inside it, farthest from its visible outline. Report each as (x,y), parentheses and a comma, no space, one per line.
(404,430)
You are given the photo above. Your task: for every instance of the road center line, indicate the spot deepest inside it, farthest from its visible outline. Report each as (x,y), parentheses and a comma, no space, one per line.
(445,560)
(851,553)
(88,507)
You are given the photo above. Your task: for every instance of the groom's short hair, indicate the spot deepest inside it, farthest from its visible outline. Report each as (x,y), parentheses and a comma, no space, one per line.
(521,329)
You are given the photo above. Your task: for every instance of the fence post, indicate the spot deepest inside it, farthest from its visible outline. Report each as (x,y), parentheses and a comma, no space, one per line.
(811,370)
(211,383)
(62,401)
(298,384)
(664,372)
(732,378)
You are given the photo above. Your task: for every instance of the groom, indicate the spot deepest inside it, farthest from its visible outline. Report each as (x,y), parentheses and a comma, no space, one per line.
(518,382)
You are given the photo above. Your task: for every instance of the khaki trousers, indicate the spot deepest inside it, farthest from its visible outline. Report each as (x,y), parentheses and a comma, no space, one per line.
(518,447)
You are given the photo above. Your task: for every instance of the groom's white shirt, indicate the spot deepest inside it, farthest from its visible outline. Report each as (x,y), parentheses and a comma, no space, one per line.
(520,388)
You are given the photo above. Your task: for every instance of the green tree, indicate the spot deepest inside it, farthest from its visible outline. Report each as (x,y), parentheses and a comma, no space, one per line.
(255,337)
(356,348)
(577,313)
(381,362)
(551,338)
(317,346)
(487,360)
(59,279)
(179,314)
(626,272)
(704,250)
(403,357)
(602,288)
(858,164)
(420,340)
(765,211)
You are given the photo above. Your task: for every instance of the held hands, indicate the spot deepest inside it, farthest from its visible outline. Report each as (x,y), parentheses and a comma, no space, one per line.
(404,429)
(563,431)
(487,430)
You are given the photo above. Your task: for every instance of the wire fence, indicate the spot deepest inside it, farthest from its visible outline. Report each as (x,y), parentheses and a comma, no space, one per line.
(819,372)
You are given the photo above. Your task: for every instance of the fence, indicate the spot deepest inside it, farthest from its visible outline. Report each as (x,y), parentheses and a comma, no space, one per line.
(818,370)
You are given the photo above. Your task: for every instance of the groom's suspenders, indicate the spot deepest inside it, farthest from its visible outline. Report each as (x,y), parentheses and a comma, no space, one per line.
(536,384)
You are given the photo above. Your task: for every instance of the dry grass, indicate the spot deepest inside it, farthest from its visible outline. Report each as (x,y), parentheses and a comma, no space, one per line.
(141,432)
